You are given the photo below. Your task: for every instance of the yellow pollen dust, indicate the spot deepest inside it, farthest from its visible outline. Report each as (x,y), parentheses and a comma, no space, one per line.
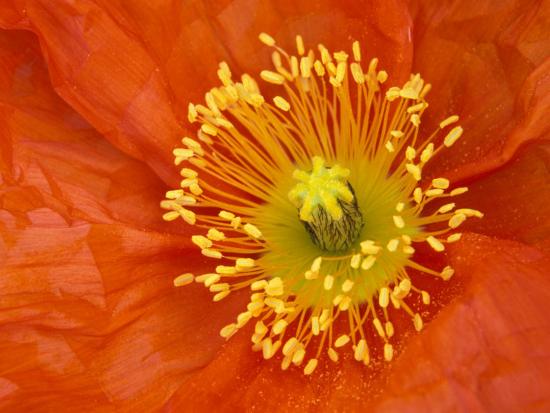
(313,198)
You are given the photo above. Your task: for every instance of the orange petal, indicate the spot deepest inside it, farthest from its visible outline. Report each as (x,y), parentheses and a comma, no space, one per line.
(486,61)
(87,303)
(130,69)
(515,199)
(489,350)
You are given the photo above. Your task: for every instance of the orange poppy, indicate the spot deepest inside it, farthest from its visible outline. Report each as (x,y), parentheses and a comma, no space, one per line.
(93,102)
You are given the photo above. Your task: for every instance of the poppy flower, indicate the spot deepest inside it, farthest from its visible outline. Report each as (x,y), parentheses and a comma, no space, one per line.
(95,100)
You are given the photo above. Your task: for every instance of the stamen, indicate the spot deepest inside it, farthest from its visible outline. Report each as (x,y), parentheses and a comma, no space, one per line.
(313,198)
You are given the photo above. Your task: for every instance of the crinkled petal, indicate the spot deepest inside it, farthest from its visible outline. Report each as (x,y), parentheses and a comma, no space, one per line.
(488,62)
(130,68)
(89,317)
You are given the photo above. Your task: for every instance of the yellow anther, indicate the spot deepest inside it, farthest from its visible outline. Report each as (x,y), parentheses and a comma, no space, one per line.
(435,244)
(441,183)
(266,39)
(215,235)
(414,170)
(368,248)
(228,330)
(410,153)
(220,296)
(448,121)
(407,249)
(396,134)
(243,264)
(415,120)
(459,191)
(216,288)
(378,326)
(260,328)
(188,173)
(211,253)
(310,366)
(427,153)
(290,346)
(281,103)
(170,216)
(417,195)
(201,241)
(400,206)
(209,129)
(183,153)
(272,77)
(454,237)
(275,287)
(392,245)
(357,73)
(243,318)
(328,282)
(447,273)
(188,216)
(355,261)
(258,285)
(382,76)
(279,326)
(226,270)
(319,68)
(347,286)
(236,222)
(388,328)
(405,285)
(300,45)
(212,279)
(344,304)
(276,59)
(341,341)
(305,67)
(384,297)
(316,264)
(252,230)
(368,262)
(398,221)
(315,326)
(434,192)
(418,323)
(389,147)
(470,212)
(191,113)
(388,352)
(356,48)
(456,220)
(183,279)
(453,136)
(416,108)
(446,208)
(360,350)
(425,297)
(332,354)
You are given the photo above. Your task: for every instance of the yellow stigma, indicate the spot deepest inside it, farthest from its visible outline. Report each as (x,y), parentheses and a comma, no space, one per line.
(313,198)
(322,188)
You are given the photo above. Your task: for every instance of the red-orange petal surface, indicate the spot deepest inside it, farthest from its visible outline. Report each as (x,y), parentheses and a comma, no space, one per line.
(89,318)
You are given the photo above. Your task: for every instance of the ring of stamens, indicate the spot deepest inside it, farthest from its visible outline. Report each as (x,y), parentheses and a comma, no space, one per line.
(334,112)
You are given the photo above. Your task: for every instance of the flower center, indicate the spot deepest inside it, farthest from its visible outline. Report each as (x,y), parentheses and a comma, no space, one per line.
(327,206)
(337,238)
